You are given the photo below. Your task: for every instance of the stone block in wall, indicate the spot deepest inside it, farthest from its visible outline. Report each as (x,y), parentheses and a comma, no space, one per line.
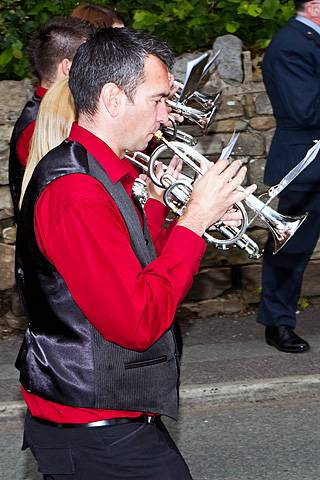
(250,144)
(249,106)
(9,235)
(263,122)
(230,303)
(4,177)
(247,66)
(316,252)
(7,279)
(263,105)
(311,279)
(6,209)
(186,310)
(212,144)
(210,283)
(215,257)
(249,88)
(220,126)
(5,134)
(251,276)
(255,173)
(251,283)
(13,95)
(230,58)
(229,107)
(5,303)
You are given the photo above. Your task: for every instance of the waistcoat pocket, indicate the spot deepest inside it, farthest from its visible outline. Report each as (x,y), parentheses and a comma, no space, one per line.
(146,363)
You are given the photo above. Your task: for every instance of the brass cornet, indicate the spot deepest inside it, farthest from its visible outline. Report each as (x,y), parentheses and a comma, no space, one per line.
(206,102)
(176,195)
(201,118)
(187,92)
(281,226)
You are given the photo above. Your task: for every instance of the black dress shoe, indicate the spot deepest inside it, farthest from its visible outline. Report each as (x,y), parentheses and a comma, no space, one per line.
(285,340)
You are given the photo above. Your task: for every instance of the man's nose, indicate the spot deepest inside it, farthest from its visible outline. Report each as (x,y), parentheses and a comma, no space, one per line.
(162,112)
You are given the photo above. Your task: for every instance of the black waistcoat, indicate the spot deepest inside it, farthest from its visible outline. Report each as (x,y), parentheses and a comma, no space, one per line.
(16,169)
(63,358)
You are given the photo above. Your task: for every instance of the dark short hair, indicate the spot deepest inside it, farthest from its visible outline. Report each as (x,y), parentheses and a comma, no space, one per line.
(59,38)
(299,4)
(96,15)
(114,55)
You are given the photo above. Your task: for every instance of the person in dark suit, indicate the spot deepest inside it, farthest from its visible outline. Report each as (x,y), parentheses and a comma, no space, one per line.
(291,73)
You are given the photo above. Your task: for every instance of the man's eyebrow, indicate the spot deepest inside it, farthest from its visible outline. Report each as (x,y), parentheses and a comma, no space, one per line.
(161,94)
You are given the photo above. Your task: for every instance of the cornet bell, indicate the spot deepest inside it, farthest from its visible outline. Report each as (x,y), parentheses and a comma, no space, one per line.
(283,227)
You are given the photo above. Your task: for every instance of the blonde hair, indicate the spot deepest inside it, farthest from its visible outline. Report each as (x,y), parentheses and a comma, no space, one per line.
(55,117)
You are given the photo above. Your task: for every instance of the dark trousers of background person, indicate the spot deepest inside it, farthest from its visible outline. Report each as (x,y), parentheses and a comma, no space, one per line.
(143,451)
(282,274)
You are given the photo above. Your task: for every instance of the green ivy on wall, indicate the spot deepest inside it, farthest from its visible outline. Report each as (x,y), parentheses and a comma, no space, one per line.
(185,25)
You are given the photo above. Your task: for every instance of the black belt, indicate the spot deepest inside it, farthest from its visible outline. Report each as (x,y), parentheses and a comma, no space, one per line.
(100,423)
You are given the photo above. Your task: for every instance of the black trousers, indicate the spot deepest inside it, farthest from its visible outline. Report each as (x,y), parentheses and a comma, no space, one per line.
(282,274)
(139,451)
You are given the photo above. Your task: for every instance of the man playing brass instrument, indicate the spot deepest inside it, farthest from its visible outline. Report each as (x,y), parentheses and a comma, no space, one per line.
(98,365)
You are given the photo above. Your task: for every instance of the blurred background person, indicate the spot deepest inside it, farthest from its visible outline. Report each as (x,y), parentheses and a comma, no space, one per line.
(291,73)
(51,54)
(98,16)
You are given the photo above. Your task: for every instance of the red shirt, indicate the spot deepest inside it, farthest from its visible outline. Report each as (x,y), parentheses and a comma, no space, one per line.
(81,231)
(24,141)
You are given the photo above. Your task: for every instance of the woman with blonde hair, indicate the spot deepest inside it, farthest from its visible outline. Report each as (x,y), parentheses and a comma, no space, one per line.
(55,117)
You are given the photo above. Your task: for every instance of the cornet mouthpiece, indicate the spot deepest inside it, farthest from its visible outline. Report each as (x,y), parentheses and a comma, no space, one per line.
(158,135)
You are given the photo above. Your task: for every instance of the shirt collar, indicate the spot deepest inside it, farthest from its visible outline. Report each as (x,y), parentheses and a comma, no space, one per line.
(115,167)
(309,23)
(41,91)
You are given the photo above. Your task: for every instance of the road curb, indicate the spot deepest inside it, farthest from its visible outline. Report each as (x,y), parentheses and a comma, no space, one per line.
(12,409)
(222,393)
(251,391)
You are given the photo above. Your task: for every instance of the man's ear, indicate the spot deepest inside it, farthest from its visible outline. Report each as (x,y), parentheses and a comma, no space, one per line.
(65,66)
(112,97)
(313,9)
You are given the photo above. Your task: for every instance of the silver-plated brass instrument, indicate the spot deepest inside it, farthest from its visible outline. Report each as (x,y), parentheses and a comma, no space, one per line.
(172,133)
(187,92)
(206,102)
(202,119)
(176,196)
(281,226)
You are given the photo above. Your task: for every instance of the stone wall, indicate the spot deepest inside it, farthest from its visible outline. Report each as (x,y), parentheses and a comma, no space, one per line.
(227,281)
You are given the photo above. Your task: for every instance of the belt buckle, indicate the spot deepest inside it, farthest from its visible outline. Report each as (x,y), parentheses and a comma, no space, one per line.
(150,418)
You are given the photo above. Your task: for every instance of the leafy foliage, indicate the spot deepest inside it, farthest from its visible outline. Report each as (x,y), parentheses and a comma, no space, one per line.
(185,25)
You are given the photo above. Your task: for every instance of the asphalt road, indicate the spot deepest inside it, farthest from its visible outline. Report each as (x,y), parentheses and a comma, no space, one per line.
(274,440)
